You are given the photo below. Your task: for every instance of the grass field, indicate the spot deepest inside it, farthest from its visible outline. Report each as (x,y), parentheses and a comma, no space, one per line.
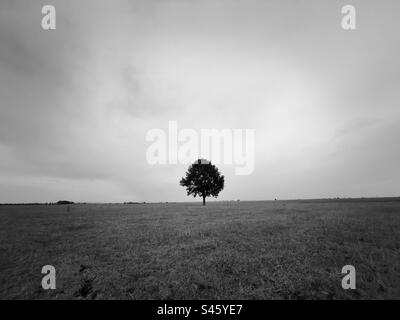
(226,250)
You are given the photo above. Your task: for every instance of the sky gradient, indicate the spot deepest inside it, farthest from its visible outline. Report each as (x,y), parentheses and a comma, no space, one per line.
(76,102)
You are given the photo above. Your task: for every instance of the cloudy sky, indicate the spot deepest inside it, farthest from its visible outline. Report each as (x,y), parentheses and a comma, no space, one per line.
(76,102)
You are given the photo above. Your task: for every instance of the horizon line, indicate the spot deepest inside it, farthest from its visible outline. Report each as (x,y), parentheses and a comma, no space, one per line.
(213,201)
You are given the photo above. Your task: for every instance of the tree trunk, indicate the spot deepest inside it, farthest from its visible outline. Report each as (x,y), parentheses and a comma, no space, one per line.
(204,200)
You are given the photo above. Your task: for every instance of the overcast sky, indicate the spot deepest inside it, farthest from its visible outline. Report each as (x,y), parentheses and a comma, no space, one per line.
(76,102)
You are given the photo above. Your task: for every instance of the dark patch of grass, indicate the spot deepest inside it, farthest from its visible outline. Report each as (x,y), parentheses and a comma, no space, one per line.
(85,288)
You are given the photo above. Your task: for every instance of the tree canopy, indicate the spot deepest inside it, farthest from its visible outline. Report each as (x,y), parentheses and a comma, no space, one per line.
(203,179)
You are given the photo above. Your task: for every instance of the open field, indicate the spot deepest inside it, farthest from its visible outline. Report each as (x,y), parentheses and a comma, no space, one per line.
(226,250)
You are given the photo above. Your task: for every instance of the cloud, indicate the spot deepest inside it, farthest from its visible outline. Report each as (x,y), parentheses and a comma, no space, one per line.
(76,102)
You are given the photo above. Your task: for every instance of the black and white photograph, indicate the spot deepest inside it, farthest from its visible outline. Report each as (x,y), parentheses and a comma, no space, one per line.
(199,150)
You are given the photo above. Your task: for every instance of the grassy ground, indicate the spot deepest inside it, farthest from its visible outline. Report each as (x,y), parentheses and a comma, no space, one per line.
(232,250)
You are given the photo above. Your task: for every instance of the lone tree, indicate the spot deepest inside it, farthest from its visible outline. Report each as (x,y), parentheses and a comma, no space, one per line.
(203,179)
